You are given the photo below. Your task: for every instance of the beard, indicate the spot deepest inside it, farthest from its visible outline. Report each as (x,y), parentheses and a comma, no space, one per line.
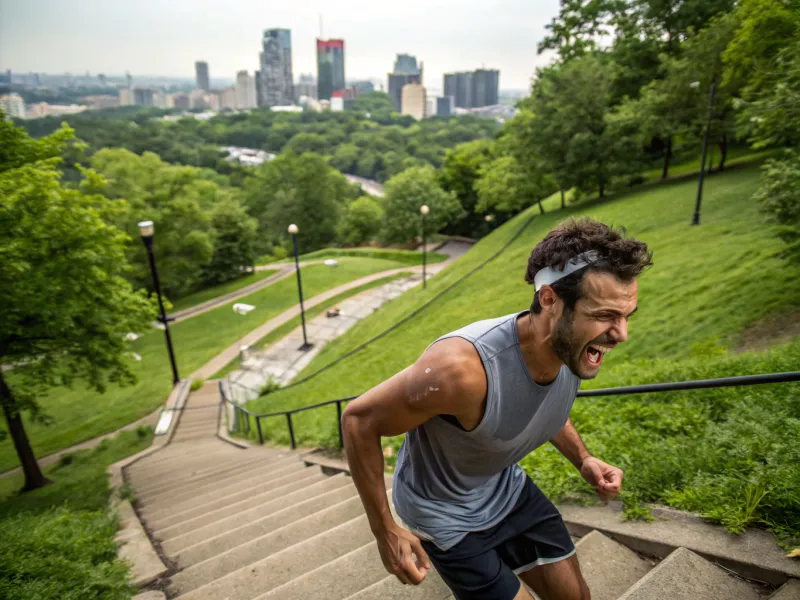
(566,348)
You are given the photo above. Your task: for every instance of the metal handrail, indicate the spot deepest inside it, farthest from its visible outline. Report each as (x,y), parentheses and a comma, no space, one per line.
(764,378)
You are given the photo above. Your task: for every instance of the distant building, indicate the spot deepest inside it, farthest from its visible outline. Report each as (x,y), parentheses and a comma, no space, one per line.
(245,91)
(100,101)
(128,80)
(43,109)
(201,76)
(227,98)
(364,87)
(197,99)
(405,71)
(473,89)
(330,67)
(413,100)
(125,97)
(13,105)
(179,100)
(444,106)
(306,87)
(143,96)
(159,99)
(276,80)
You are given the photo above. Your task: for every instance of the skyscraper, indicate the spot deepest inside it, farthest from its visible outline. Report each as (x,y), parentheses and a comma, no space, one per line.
(330,67)
(201,76)
(414,100)
(245,90)
(306,86)
(473,89)
(276,82)
(405,71)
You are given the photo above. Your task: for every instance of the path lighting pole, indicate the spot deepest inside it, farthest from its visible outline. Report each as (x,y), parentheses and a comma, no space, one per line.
(711,88)
(293,232)
(424,210)
(146,230)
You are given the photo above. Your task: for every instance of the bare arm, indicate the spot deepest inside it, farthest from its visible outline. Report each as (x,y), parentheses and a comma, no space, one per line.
(447,379)
(605,478)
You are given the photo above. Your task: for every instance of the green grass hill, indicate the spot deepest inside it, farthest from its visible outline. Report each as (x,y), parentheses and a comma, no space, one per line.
(725,453)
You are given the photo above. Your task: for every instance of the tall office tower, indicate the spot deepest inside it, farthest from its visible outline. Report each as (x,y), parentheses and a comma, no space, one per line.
(276,82)
(405,71)
(444,106)
(128,80)
(143,96)
(330,67)
(485,84)
(306,86)
(201,76)
(414,100)
(245,90)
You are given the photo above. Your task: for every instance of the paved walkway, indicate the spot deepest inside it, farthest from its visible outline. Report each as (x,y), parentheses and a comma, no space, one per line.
(283,360)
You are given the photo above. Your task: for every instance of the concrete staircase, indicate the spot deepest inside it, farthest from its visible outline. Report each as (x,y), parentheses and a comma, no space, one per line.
(256,523)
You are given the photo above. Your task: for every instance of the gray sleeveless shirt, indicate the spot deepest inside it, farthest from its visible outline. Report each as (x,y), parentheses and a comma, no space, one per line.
(449,481)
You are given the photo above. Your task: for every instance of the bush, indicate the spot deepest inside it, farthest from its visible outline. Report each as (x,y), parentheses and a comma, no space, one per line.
(779,196)
(361,222)
(196,384)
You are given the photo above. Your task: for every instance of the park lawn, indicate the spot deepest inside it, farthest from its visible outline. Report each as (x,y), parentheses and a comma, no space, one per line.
(80,414)
(58,541)
(737,155)
(285,329)
(408,257)
(220,290)
(708,283)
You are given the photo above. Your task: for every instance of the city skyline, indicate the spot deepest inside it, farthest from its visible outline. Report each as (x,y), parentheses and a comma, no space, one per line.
(157,39)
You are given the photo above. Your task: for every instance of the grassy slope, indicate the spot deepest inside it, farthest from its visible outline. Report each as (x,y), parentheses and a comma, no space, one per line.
(220,290)
(58,542)
(409,257)
(707,284)
(81,414)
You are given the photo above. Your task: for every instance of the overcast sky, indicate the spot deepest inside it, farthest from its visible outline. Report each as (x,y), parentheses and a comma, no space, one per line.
(165,37)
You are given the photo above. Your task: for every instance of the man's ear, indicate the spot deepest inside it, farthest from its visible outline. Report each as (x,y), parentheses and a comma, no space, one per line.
(547,297)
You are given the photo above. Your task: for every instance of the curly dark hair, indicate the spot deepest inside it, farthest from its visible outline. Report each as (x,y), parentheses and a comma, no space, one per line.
(624,257)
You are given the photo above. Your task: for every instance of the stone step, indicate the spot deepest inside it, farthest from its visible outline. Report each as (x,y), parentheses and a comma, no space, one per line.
(249,508)
(202,546)
(390,588)
(272,488)
(190,436)
(363,568)
(198,472)
(207,425)
(788,591)
(253,580)
(207,527)
(174,496)
(609,568)
(684,575)
(200,451)
(220,565)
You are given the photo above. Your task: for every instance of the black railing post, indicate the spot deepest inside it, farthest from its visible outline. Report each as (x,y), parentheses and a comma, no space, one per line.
(258,429)
(291,430)
(339,422)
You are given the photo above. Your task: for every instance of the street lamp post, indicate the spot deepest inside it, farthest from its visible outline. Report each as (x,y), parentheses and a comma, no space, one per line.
(696,216)
(293,232)
(146,230)
(424,210)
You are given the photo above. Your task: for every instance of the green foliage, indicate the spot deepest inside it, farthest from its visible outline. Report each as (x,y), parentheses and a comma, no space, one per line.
(300,189)
(405,194)
(361,221)
(460,171)
(233,242)
(196,384)
(58,541)
(504,186)
(406,257)
(779,196)
(220,290)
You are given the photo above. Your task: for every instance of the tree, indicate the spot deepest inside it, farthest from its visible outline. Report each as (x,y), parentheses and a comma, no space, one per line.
(504,186)
(301,189)
(405,193)
(779,196)
(66,304)
(361,221)
(459,173)
(234,236)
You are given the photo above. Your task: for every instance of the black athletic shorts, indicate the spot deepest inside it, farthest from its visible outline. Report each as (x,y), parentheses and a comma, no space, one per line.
(484,565)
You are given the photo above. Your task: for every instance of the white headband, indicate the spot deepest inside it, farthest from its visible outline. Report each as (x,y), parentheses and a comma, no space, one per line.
(549,275)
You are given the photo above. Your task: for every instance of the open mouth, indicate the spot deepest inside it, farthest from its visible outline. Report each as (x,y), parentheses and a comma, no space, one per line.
(595,352)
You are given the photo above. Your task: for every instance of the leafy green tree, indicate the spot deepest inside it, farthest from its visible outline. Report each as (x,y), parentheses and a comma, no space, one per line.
(307,142)
(779,195)
(301,189)
(66,304)
(178,200)
(345,158)
(405,194)
(375,103)
(233,238)
(504,186)
(459,173)
(361,221)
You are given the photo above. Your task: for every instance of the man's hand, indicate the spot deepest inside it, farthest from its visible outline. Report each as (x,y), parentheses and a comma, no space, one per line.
(398,548)
(605,479)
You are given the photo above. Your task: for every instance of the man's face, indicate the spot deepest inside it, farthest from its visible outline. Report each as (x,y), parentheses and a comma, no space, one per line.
(598,322)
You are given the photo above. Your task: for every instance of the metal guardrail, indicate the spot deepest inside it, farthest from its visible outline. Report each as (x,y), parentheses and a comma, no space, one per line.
(243,415)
